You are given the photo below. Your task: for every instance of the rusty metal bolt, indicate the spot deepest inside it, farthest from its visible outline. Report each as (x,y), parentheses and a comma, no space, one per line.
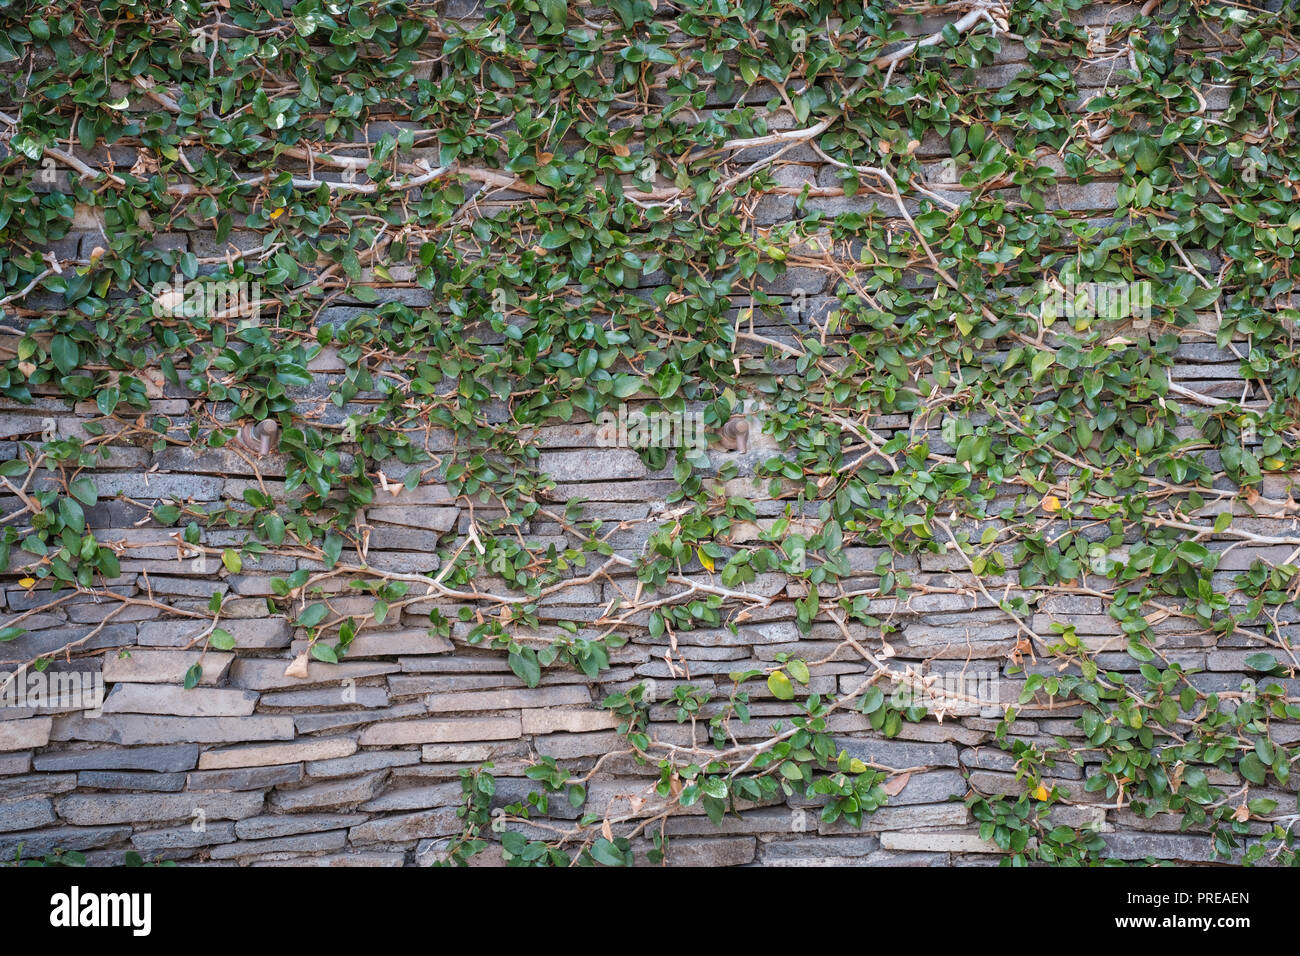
(262,438)
(735,435)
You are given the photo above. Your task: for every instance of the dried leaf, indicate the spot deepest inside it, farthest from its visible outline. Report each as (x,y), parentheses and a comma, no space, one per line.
(894,785)
(298,668)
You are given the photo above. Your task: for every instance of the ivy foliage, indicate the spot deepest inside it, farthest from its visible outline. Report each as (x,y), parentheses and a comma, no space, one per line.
(551,209)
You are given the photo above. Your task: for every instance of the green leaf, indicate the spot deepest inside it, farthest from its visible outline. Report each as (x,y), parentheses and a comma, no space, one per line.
(606,854)
(555,11)
(1261,661)
(65,353)
(525,665)
(323,652)
(780,686)
(1253,769)
(84,490)
(312,615)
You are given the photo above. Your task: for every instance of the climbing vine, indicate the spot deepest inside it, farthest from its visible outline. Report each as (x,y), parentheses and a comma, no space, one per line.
(484,226)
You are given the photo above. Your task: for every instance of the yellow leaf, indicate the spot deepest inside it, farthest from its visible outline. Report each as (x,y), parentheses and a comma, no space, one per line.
(1040,793)
(1051,503)
(704,559)
(277,213)
(26,582)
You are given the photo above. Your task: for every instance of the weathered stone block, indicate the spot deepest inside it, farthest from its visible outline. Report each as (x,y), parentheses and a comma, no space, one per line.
(165,667)
(416,798)
(303,843)
(261,755)
(36,785)
(173,838)
(940,841)
(246,778)
(361,763)
(100,809)
(128,780)
(161,759)
(280,825)
(142,729)
(26,814)
(572,721)
(450,730)
(509,699)
(39,843)
(249,633)
(25,733)
(407,827)
(269,674)
(344,792)
(178,702)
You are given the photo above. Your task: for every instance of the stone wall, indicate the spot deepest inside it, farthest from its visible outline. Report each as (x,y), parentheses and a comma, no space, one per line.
(358,763)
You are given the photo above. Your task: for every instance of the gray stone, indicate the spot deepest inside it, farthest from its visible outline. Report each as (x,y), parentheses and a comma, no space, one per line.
(38,784)
(179,702)
(584,466)
(509,699)
(337,721)
(127,780)
(261,755)
(245,778)
(279,825)
(324,697)
(416,798)
(149,807)
(142,729)
(173,838)
(41,843)
(351,858)
(15,763)
(269,674)
(440,731)
(26,814)
(407,827)
(727,851)
(304,843)
(825,851)
(345,792)
(899,755)
(161,759)
(165,667)
(391,644)
(362,763)
(1162,846)
(256,633)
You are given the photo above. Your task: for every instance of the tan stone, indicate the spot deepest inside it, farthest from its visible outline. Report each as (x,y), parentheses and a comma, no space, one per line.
(266,755)
(451,730)
(573,721)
